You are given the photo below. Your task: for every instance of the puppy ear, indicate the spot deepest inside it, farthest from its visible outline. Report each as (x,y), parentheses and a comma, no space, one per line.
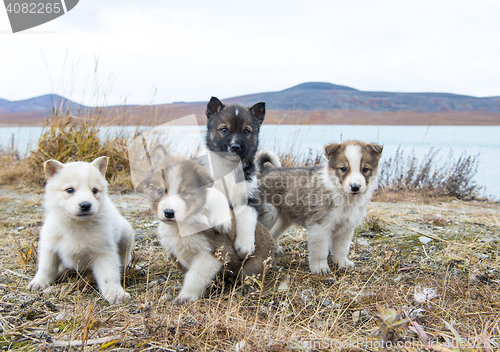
(331,149)
(376,148)
(258,111)
(101,164)
(52,167)
(214,106)
(158,154)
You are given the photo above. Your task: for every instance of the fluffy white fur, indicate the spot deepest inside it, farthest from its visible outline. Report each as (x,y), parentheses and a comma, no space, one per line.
(237,192)
(74,239)
(219,217)
(246,221)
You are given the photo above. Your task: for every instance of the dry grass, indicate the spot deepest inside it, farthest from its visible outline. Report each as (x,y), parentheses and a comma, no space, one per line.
(290,159)
(457,274)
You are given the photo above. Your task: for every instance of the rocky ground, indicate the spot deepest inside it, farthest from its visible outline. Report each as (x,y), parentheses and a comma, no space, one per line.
(427,273)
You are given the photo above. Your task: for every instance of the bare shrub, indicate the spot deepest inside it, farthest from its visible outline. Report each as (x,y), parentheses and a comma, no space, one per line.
(289,159)
(402,174)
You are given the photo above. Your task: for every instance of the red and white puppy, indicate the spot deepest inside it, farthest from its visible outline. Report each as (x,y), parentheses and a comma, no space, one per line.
(329,201)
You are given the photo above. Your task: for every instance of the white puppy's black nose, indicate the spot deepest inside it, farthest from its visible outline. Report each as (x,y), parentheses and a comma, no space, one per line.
(85,206)
(355,187)
(169,213)
(235,147)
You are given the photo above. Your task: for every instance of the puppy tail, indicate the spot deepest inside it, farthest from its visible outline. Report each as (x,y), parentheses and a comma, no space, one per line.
(263,157)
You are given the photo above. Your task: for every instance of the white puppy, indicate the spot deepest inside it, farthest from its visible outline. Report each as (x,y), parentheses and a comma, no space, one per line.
(82,228)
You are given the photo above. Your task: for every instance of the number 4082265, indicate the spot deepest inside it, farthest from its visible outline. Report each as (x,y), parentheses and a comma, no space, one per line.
(34,8)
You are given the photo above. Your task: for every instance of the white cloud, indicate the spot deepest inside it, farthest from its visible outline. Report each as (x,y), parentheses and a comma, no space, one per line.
(189,51)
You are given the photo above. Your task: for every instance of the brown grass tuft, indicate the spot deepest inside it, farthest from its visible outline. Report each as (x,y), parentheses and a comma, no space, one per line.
(67,139)
(374,223)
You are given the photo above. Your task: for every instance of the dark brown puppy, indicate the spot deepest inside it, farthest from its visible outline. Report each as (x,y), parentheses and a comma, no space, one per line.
(233,134)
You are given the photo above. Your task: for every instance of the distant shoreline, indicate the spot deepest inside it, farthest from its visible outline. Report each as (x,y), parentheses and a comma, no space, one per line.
(135,116)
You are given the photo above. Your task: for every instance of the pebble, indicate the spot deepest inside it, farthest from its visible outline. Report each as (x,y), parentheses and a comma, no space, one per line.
(240,346)
(424,239)
(424,295)
(167,297)
(285,284)
(307,295)
(60,316)
(331,281)
(329,304)
(360,316)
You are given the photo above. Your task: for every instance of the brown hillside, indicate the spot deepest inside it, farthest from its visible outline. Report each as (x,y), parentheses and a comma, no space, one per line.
(157,114)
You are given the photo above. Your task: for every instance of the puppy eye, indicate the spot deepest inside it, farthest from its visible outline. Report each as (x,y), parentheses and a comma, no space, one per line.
(184,194)
(224,130)
(246,132)
(94,190)
(159,192)
(365,170)
(343,169)
(70,190)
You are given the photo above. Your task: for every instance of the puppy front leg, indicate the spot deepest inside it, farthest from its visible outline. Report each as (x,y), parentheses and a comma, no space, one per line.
(126,243)
(48,267)
(106,269)
(219,214)
(200,274)
(246,221)
(341,242)
(277,230)
(319,247)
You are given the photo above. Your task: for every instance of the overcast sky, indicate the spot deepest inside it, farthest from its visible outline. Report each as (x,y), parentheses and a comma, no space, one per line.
(165,51)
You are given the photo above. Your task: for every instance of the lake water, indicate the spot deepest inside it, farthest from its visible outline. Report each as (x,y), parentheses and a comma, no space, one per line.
(473,140)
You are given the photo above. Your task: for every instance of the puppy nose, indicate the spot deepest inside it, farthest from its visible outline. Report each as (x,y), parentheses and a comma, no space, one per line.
(355,187)
(235,147)
(85,206)
(169,213)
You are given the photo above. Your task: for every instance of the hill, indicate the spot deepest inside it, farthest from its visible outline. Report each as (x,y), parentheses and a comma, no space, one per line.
(42,103)
(327,96)
(306,103)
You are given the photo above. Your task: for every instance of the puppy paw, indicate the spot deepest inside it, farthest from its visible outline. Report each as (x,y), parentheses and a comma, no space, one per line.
(182,300)
(320,268)
(278,251)
(37,284)
(117,296)
(345,264)
(244,246)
